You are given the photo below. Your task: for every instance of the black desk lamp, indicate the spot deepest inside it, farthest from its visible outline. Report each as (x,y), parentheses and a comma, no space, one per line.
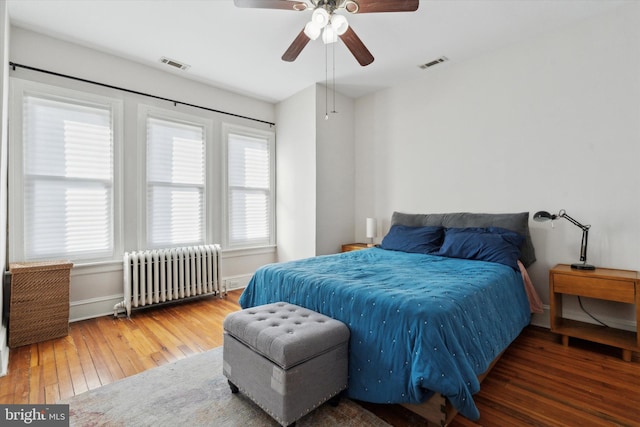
(543,216)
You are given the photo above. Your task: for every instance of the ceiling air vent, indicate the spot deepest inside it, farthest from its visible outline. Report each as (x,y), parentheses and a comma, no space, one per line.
(434,62)
(174,63)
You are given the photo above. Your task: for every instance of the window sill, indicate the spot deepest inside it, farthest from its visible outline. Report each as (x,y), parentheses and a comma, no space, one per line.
(232,253)
(80,268)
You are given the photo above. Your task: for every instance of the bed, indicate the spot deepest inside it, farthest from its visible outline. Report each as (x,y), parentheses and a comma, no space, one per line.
(429,311)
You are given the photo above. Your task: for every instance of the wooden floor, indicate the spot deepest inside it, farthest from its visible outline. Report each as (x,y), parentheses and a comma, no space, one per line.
(537,382)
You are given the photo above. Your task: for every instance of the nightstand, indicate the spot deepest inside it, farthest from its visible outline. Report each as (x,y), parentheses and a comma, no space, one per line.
(354,247)
(601,283)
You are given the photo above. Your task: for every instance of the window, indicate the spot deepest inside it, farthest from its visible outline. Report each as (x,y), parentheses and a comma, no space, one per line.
(250,212)
(175,182)
(66,176)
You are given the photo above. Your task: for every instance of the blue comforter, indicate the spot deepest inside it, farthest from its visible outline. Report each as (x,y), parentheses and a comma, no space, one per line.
(419,323)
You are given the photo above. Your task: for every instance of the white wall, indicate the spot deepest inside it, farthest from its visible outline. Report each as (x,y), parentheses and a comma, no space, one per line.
(315,189)
(335,172)
(550,124)
(296,176)
(4,93)
(95,289)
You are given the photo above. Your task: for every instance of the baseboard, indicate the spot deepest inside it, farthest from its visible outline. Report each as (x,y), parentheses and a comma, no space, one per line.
(94,307)
(237,282)
(541,319)
(4,351)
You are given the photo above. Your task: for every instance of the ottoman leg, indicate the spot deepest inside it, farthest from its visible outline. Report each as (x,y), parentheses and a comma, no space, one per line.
(335,400)
(233,387)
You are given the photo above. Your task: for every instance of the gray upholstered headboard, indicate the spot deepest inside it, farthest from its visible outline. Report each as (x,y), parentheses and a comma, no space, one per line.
(518,222)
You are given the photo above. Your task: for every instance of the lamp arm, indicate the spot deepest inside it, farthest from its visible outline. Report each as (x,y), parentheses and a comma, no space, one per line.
(573,221)
(583,245)
(585,235)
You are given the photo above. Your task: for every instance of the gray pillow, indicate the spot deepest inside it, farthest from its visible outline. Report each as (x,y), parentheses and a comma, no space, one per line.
(518,222)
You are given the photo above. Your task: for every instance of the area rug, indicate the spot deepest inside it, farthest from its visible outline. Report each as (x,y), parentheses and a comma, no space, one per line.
(193,392)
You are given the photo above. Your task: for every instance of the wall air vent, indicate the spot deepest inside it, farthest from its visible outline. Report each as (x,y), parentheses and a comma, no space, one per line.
(434,62)
(174,63)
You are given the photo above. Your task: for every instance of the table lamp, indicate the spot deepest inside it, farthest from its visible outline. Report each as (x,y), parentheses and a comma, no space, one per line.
(543,216)
(372,230)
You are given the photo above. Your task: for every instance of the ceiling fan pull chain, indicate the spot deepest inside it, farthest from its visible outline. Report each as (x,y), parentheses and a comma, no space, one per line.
(334,78)
(326,83)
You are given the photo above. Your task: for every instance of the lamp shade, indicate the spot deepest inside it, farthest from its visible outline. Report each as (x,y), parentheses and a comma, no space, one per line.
(372,228)
(320,17)
(339,24)
(312,30)
(543,216)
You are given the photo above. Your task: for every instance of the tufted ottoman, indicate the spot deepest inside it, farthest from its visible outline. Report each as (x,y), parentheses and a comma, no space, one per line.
(287,359)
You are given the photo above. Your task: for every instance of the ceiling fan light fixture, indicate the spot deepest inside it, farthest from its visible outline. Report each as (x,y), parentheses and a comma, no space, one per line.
(329,35)
(339,24)
(312,30)
(332,27)
(321,17)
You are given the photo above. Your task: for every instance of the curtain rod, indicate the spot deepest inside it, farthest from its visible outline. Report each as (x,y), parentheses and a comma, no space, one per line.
(53,73)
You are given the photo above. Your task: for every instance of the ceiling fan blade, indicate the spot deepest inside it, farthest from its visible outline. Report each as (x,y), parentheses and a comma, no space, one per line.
(357,48)
(272,4)
(296,47)
(374,6)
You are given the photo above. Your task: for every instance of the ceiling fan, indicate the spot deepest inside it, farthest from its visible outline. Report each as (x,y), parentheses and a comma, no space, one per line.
(324,21)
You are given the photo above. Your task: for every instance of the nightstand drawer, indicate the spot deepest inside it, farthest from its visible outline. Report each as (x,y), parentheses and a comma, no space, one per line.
(607,289)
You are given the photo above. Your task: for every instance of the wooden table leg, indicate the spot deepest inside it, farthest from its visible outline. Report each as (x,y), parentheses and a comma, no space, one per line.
(626,355)
(565,340)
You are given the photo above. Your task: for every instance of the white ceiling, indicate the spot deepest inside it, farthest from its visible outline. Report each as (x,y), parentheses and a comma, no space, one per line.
(240,49)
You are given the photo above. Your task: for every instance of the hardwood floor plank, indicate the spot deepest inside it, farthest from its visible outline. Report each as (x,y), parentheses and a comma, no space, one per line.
(159,358)
(537,382)
(52,393)
(48,361)
(195,339)
(143,362)
(596,398)
(153,327)
(36,384)
(203,341)
(103,360)
(542,407)
(87,366)
(166,351)
(123,346)
(78,379)
(35,355)
(64,382)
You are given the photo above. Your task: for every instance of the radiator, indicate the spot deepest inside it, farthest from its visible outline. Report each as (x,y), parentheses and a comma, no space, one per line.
(164,275)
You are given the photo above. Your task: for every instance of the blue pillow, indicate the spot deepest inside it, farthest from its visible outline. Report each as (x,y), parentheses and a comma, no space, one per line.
(492,244)
(422,240)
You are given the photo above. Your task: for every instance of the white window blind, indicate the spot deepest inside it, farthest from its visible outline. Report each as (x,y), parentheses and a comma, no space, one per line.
(68,179)
(249,191)
(175,183)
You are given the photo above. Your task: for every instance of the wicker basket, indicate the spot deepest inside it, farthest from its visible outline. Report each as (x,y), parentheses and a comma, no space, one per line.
(39,301)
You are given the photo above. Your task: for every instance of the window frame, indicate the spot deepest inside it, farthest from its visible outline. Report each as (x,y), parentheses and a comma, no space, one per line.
(269,136)
(19,89)
(145,111)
